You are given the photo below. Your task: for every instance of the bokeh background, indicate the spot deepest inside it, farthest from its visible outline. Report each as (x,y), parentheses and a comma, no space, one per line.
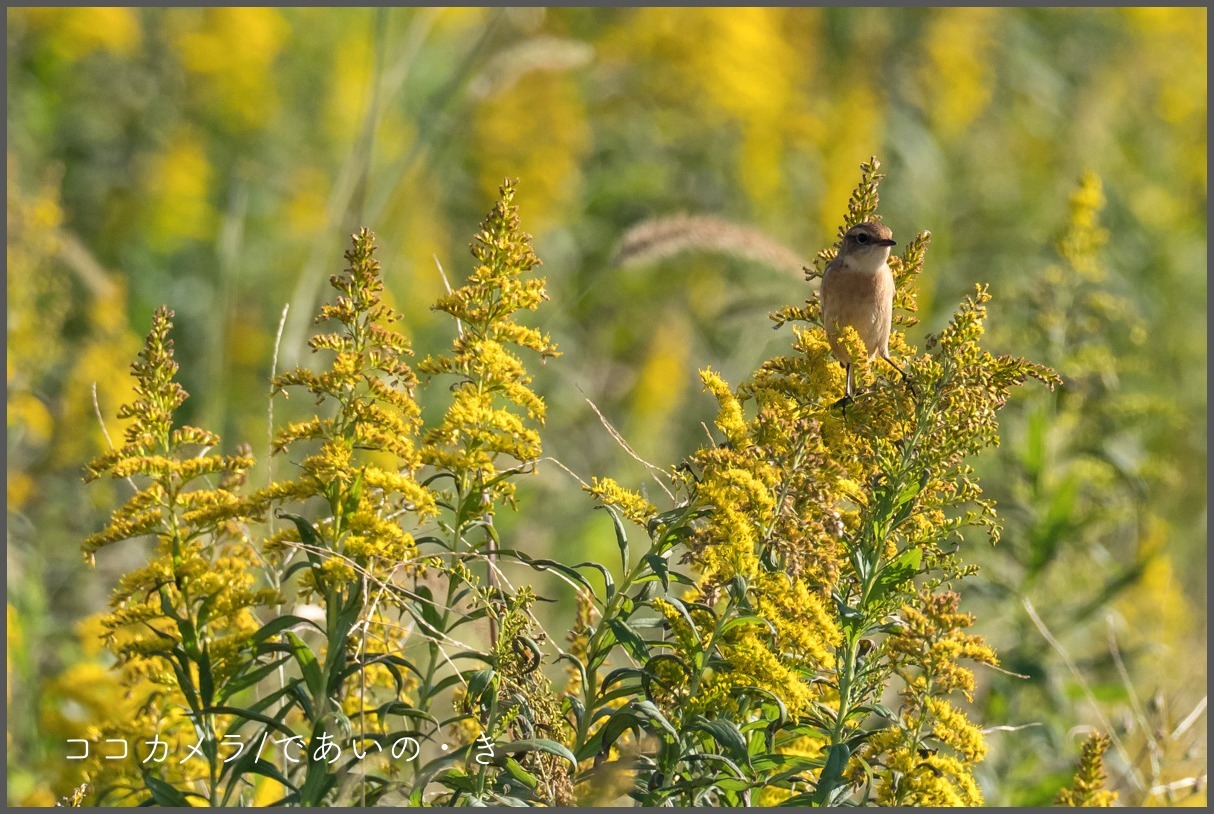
(217,160)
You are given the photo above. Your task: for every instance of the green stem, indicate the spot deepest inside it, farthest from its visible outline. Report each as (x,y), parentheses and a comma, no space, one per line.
(590,685)
(846,679)
(897,483)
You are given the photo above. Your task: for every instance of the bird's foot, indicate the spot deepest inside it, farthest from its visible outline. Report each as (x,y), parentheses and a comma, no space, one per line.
(842,404)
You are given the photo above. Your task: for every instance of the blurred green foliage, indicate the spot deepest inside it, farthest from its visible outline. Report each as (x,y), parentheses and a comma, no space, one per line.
(216,160)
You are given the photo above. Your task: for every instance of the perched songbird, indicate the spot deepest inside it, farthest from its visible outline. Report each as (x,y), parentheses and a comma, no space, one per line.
(858,290)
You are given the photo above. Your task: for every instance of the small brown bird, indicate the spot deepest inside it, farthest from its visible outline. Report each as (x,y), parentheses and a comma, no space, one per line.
(858,290)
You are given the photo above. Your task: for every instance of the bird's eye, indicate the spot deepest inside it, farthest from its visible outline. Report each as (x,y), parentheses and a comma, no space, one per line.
(861,238)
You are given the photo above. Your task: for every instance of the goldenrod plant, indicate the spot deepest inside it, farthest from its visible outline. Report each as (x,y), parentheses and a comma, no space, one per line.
(822,548)
(360,631)
(182,625)
(1088,789)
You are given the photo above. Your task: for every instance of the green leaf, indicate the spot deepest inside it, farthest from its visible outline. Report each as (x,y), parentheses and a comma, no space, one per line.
(317,780)
(549,565)
(456,779)
(206,680)
(853,620)
(909,492)
(895,572)
(620,674)
(520,774)
(783,764)
(184,680)
(649,710)
(276,626)
(1034,447)
(620,721)
(878,709)
(537,745)
(251,673)
(577,665)
(307,532)
(237,712)
(576,707)
(831,779)
(621,536)
(624,691)
(425,611)
(404,710)
(608,580)
(686,614)
(717,760)
(767,697)
(660,567)
(309,667)
(442,684)
(649,674)
(478,683)
(727,734)
(164,794)
(1048,537)
(354,494)
(629,639)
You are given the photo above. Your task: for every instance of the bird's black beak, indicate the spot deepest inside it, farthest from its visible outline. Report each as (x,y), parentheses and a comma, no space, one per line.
(887,243)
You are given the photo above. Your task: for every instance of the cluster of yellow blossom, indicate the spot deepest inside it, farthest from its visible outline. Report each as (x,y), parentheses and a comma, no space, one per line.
(371,384)
(480,425)
(1088,789)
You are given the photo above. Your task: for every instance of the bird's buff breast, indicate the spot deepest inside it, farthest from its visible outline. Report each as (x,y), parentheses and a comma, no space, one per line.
(857,298)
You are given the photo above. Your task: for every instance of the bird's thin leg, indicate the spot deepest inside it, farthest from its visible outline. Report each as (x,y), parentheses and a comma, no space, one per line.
(847,390)
(905,378)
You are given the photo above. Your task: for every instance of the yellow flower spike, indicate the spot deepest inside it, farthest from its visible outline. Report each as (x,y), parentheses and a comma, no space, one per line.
(730,419)
(951,726)
(483,423)
(804,628)
(377,422)
(1088,787)
(631,504)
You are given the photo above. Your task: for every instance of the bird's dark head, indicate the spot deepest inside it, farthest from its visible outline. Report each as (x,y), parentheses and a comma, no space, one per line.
(870,233)
(866,245)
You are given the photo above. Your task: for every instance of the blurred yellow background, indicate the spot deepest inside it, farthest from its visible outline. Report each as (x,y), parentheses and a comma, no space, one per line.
(216,160)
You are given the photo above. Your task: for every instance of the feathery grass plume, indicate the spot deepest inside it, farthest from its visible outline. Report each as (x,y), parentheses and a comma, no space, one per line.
(492,404)
(654,240)
(534,54)
(1087,790)
(180,625)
